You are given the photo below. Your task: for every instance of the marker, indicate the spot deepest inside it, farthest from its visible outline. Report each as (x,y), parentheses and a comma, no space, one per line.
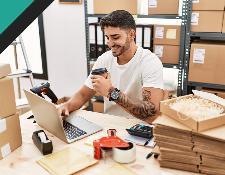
(146,143)
(149,155)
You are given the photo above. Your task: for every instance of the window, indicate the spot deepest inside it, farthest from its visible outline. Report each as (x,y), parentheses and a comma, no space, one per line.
(34,42)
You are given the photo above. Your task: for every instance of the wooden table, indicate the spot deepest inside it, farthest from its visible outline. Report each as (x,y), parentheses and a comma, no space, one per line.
(23,160)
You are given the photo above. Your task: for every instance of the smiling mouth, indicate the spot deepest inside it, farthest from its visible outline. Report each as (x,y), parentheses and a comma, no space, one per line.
(115,48)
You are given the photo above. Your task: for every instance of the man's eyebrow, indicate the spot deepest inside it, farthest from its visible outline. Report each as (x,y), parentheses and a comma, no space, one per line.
(114,35)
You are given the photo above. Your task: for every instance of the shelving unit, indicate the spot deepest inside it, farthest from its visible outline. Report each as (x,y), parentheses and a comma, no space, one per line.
(201,36)
(183,19)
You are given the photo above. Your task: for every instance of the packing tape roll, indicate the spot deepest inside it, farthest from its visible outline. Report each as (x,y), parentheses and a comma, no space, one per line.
(125,155)
(42,136)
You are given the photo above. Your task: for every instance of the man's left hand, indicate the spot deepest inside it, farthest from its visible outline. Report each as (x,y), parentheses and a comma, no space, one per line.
(101,85)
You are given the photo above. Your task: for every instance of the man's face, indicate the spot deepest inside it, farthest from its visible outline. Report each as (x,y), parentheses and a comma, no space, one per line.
(118,39)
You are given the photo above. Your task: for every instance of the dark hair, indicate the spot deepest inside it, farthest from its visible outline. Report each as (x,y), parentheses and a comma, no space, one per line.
(118,18)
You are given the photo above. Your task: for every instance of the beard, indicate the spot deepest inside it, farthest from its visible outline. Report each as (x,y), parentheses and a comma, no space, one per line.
(118,50)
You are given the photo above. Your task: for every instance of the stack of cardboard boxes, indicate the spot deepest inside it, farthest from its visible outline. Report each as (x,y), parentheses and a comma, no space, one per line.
(207,61)
(207,16)
(10,132)
(166,43)
(155,7)
(181,148)
(190,144)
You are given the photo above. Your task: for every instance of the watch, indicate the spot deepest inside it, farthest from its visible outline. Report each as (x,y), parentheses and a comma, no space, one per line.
(114,94)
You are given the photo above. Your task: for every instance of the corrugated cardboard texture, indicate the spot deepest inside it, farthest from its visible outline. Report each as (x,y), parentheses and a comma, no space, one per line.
(164,7)
(212,70)
(207,149)
(12,134)
(208,5)
(107,6)
(209,21)
(210,170)
(7,98)
(179,166)
(4,70)
(167,35)
(167,53)
(212,161)
(98,106)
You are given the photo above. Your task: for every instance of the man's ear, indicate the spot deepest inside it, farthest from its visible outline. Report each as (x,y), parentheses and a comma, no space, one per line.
(132,33)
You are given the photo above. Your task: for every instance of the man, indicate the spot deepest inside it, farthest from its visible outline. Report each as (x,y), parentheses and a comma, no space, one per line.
(134,85)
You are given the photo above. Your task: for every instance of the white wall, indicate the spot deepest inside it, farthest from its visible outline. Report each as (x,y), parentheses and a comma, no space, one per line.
(64,28)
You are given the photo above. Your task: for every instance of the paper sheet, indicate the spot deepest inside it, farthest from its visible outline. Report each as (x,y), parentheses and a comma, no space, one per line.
(171,34)
(194,18)
(199,56)
(67,161)
(140,141)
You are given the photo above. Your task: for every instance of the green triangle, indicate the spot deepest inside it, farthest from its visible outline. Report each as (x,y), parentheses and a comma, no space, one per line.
(10,10)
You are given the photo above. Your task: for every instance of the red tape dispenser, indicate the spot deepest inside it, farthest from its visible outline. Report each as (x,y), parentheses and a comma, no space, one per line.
(111,141)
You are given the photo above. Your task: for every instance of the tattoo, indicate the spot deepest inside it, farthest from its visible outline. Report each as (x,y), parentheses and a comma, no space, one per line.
(141,109)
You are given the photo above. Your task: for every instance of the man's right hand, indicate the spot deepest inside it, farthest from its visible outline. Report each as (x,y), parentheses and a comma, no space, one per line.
(63,110)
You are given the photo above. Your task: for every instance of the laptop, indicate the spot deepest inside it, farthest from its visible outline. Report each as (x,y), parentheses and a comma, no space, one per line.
(69,130)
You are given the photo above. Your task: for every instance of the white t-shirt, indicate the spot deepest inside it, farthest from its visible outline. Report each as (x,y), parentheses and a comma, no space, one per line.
(143,70)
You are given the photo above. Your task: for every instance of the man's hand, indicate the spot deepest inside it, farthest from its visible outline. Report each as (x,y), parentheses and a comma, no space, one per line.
(63,110)
(101,84)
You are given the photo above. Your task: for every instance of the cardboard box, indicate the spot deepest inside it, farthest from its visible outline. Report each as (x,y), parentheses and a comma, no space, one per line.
(167,53)
(207,63)
(167,35)
(223,28)
(107,6)
(7,98)
(196,125)
(206,21)
(218,93)
(10,135)
(4,70)
(163,7)
(98,106)
(208,5)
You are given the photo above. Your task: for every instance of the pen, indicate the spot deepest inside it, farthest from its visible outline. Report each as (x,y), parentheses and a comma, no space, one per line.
(146,143)
(149,155)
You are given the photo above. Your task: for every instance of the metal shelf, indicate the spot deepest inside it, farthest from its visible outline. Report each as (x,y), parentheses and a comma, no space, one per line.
(20,73)
(182,17)
(190,36)
(160,16)
(208,36)
(142,16)
(207,85)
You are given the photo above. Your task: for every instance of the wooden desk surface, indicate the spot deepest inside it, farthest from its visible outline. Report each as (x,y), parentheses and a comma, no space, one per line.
(23,160)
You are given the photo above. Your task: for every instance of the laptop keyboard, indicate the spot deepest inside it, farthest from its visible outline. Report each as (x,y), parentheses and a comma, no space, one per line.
(72,131)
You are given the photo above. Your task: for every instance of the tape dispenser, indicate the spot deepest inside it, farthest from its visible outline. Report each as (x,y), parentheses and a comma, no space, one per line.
(42,142)
(111,141)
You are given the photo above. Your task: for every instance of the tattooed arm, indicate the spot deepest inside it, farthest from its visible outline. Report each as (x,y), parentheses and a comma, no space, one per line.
(149,106)
(142,109)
